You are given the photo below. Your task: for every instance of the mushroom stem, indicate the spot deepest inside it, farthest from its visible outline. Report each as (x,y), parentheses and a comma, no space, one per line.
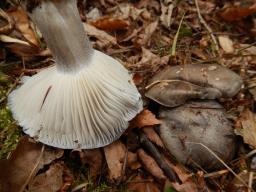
(62,29)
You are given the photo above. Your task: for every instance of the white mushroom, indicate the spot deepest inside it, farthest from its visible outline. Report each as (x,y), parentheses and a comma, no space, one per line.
(87,99)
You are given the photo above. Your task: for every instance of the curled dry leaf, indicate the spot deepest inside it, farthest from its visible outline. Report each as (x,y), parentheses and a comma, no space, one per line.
(92,157)
(234,13)
(50,181)
(206,75)
(145,118)
(150,165)
(226,44)
(247,127)
(23,25)
(153,136)
(115,154)
(172,93)
(185,128)
(104,39)
(110,24)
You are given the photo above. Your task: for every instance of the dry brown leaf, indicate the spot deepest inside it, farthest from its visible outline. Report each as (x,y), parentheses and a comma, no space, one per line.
(93,157)
(153,136)
(226,43)
(145,118)
(104,39)
(110,24)
(140,184)
(247,127)
(50,154)
(115,155)
(22,24)
(132,161)
(17,171)
(150,165)
(50,181)
(144,37)
(234,13)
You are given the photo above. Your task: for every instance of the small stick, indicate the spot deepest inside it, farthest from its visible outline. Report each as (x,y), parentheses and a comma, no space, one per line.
(160,161)
(207,27)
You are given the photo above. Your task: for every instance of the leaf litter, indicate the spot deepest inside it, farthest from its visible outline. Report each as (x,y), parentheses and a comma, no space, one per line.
(141,35)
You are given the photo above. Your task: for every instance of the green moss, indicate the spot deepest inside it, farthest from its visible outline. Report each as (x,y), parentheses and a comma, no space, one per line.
(9,132)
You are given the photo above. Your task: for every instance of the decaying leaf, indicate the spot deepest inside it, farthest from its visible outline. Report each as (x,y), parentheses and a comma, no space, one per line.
(110,24)
(247,128)
(115,154)
(172,93)
(50,181)
(234,13)
(150,165)
(226,44)
(19,169)
(140,184)
(145,118)
(210,75)
(153,136)
(166,15)
(92,157)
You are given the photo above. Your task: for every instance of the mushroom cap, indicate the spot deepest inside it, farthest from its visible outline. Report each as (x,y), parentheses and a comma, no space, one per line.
(87,109)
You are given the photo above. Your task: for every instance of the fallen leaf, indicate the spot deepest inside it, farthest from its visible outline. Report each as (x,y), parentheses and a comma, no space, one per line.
(104,39)
(145,118)
(115,154)
(234,13)
(226,43)
(50,181)
(150,165)
(153,136)
(247,127)
(92,157)
(17,171)
(50,154)
(132,161)
(140,184)
(166,15)
(110,24)
(22,24)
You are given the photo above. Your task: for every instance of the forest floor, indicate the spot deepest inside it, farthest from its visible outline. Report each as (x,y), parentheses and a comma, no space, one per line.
(146,36)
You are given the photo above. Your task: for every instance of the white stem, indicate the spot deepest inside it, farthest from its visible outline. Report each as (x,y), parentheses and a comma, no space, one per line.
(62,29)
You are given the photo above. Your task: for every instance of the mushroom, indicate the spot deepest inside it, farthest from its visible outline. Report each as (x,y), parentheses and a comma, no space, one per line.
(87,99)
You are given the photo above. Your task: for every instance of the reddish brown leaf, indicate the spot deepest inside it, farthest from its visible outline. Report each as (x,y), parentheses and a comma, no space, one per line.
(145,118)
(115,154)
(153,136)
(110,24)
(150,165)
(234,13)
(139,184)
(132,161)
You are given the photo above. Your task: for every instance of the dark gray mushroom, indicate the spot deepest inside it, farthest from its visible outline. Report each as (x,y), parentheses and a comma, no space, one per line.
(185,128)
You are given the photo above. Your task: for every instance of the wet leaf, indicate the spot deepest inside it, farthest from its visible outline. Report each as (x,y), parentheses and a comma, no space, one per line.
(115,155)
(172,93)
(145,118)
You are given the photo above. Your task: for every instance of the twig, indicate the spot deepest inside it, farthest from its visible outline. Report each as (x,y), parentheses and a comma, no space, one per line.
(160,161)
(207,27)
(219,159)
(216,174)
